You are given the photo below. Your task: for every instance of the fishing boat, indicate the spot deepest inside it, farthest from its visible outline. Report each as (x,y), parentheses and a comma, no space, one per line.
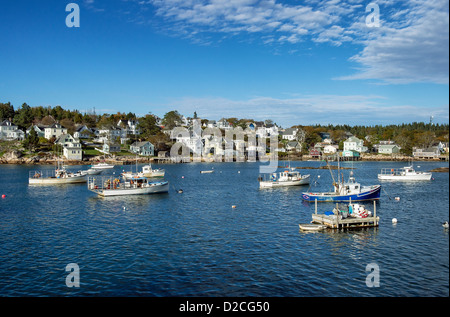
(345,191)
(102,166)
(284,178)
(406,173)
(110,186)
(54,177)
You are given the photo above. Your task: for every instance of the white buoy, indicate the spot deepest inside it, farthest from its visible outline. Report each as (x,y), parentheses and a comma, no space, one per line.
(394,220)
(318,176)
(124,207)
(239,172)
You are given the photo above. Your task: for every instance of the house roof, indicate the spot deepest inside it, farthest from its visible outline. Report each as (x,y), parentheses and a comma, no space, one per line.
(139,144)
(352,139)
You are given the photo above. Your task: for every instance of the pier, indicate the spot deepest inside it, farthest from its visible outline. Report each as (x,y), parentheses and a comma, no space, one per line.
(333,221)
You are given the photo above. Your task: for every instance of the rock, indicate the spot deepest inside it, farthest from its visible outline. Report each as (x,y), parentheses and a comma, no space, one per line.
(13,155)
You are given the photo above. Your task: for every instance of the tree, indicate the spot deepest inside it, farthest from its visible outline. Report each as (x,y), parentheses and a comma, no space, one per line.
(148,126)
(24,116)
(31,141)
(171,119)
(6,111)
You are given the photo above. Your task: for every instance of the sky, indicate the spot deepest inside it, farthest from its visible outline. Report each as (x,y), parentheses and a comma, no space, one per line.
(294,62)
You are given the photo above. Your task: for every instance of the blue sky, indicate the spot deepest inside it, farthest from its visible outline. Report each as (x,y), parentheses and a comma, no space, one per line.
(295,62)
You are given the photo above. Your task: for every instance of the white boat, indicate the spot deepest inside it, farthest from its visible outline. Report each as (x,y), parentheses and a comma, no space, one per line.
(91,171)
(207,172)
(102,166)
(406,173)
(312,227)
(110,186)
(285,178)
(148,171)
(54,177)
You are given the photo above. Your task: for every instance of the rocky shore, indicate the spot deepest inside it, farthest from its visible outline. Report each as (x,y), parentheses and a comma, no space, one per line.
(17,157)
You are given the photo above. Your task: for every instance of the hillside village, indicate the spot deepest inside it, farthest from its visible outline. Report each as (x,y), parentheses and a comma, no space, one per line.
(37,132)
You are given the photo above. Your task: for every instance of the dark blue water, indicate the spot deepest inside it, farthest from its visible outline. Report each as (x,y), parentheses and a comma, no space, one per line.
(196,244)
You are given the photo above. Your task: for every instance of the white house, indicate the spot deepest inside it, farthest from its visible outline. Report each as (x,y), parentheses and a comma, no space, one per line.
(82,132)
(73,151)
(9,131)
(354,144)
(289,134)
(330,149)
(55,130)
(144,148)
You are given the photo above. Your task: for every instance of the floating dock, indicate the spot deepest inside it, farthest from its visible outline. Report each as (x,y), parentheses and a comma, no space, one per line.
(334,221)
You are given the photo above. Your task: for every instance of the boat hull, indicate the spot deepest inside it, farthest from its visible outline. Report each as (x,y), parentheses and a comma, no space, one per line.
(271,184)
(56,181)
(417,177)
(153,188)
(372,193)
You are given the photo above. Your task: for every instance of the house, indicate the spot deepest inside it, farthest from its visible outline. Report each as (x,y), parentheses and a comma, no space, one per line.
(289,134)
(129,127)
(9,131)
(350,154)
(224,124)
(315,153)
(54,131)
(40,130)
(110,148)
(427,153)
(354,144)
(388,149)
(110,134)
(330,149)
(82,132)
(64,139)
(144,148)
(73,151)
(294,146)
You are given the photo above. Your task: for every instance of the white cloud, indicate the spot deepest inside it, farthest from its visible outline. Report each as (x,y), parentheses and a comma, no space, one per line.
(410,46)
(413,49)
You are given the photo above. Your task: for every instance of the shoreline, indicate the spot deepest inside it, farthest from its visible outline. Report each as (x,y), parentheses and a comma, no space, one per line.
(130,160)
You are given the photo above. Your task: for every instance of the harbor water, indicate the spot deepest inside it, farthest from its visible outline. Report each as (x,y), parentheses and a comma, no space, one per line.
(196,243)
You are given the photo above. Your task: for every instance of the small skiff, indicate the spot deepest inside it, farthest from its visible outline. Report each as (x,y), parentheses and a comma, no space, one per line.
(311,226)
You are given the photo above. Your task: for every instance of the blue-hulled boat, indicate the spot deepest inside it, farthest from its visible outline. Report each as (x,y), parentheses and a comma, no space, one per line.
(346,191)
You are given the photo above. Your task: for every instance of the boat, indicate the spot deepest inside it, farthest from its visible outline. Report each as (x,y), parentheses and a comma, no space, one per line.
(345,191)
(102,166)
(207,172)
(54,177)
(110,186)
(148,171)
(285,178)
(91,171)
(406,173)
(312,227)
